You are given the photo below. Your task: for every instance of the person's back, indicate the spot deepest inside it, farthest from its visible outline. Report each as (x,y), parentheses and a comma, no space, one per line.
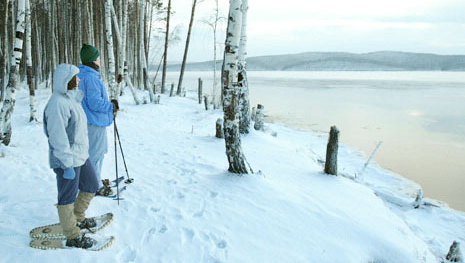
(98,108)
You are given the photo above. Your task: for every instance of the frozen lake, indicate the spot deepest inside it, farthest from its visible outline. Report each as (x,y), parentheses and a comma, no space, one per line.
(419,116)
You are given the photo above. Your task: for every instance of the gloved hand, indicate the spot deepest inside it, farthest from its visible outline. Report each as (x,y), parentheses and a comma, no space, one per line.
(115,105)
(69,173)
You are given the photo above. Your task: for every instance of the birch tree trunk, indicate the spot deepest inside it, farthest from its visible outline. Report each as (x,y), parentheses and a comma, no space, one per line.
(244,102)
(236,159)
(30,77)
(124,56)
(186,49)
(122,43)
(215,80)
(142,53)
(10,99)
(4,52)
(111,57)
(120,50)
(165,54)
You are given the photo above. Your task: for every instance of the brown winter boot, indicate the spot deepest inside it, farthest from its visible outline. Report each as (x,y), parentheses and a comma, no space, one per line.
(68,221)
(82,203)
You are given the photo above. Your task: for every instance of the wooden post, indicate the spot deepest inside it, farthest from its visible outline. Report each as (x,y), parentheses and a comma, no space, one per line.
(200,90)
(259,118)
(331,151)
(219,129)
(172,89)
(205,98)
(454,254)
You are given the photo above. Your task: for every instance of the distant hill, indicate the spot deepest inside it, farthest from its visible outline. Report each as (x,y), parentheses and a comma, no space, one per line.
(316,61)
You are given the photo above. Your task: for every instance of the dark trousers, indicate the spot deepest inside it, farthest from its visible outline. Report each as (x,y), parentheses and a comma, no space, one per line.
(85,180)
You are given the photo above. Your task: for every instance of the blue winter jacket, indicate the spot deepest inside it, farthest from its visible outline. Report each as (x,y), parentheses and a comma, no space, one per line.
(98,108)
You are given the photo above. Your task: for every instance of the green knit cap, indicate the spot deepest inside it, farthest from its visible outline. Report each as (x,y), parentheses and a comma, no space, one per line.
(89,53)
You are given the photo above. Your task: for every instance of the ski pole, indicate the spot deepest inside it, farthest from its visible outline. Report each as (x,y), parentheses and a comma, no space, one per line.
(129,180)
(116,160)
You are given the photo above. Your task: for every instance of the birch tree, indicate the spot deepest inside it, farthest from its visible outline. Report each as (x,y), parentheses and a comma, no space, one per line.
(244,102)
(236,158)
(9,103)
(183,65)
(142,54)
(213,23)
(54,31)
(4,49)
(111,57)
(165,54)
(30,77)
(120,31)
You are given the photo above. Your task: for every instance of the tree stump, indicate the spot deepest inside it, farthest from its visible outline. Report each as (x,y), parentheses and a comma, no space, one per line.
(454,254)
(179,91)
(331,151)
(418,199)
(259,126)
(200,90)
(219,128)
(252,117)
(205,98)
(172,90)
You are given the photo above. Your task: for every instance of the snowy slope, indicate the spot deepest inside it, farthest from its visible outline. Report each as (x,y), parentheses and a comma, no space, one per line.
(185,207)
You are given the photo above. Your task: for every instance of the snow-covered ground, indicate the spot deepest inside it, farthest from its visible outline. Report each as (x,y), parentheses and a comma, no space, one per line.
(185,207)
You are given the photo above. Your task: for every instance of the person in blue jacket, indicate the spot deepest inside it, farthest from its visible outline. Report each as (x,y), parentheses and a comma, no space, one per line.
(98,108)
(65,126)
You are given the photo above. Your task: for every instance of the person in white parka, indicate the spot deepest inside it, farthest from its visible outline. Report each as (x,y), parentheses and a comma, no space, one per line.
(65,125)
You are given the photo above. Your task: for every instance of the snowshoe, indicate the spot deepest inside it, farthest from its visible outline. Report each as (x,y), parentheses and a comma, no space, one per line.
(80,242)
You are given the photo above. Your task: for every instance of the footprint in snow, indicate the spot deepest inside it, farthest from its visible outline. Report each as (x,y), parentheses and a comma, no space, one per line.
(180,195)
(171,181)
(149,234)
(129,255)
(188,234)
(155,210)
(163,229)
(200,213)
(222,244)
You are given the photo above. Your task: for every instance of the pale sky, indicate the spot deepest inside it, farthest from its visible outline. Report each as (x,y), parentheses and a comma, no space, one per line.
(359,26)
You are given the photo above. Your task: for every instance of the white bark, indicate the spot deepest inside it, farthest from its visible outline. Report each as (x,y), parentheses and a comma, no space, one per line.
(121,48)
(30,77)
(142,53)
(124,40)
(111,56)
(234,153)
(10,99)
(244,102)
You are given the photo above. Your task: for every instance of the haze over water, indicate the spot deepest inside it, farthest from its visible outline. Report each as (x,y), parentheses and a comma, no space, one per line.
(419,116)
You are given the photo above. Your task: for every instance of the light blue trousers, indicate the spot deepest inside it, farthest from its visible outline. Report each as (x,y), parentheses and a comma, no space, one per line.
(98,147)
